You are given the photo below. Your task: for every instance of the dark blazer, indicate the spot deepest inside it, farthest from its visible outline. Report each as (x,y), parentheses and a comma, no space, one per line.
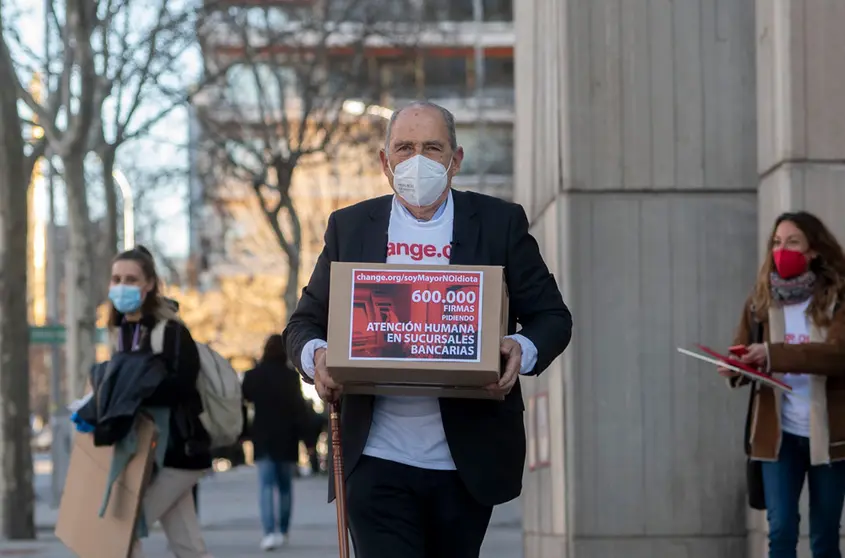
(486,438)
(274,389)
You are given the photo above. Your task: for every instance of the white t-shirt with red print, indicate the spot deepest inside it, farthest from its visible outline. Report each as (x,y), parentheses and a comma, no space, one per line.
(795,412)
(409,430)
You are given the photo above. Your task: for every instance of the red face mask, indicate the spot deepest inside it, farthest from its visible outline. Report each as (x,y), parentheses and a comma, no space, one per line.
(789,263)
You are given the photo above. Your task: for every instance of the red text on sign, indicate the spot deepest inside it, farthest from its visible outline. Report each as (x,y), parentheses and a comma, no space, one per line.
(792,339)
(418,251)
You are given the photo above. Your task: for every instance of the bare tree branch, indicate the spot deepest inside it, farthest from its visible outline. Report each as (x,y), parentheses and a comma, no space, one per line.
(289,74)
(111,63)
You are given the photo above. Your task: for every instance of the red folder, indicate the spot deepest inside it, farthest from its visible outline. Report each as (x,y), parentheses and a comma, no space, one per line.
(747,370)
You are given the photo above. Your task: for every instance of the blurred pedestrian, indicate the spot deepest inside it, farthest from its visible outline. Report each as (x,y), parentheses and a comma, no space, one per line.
(275,391)
(136,307)
(314,425)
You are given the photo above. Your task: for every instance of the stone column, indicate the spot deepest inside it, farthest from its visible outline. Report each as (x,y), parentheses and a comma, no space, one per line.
(801,123)
(636,161)
(801,109)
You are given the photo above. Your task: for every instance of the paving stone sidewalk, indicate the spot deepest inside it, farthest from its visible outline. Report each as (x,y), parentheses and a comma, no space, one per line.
(228,513)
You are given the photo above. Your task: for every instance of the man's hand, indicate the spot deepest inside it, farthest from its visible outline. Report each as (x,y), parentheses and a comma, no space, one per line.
(512,351)
(327,389)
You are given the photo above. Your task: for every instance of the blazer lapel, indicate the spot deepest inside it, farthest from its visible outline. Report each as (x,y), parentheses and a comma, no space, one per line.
(374,232)
(465,231)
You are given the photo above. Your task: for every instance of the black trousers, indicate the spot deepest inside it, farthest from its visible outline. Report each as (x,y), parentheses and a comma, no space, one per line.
(397,511)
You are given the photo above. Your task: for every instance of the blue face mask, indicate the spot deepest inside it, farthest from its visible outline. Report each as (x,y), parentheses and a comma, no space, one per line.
(126,298)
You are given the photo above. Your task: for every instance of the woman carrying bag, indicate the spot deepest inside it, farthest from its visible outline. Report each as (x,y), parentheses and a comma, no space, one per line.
(137,306)
(793,327)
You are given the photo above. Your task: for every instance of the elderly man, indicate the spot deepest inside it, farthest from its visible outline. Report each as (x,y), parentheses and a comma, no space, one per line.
(424,474)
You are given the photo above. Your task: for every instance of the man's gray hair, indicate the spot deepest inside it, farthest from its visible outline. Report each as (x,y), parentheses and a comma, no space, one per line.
(448,119)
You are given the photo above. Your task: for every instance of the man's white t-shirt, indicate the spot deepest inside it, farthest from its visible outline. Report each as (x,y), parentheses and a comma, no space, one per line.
(409,430)
(795,413)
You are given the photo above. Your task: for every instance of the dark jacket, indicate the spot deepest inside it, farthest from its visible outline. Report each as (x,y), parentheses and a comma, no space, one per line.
(120,386)
(275,391)
(188,442)
(487,438)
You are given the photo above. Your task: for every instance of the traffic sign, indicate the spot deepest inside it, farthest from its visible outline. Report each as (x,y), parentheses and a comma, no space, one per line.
(47,335)
(57,334)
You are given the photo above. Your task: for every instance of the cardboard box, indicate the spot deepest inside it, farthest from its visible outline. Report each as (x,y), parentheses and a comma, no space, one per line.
(416,329)
(79,526)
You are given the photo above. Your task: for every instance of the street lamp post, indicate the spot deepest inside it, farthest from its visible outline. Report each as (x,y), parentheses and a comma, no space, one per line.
(59,417)
(128,209)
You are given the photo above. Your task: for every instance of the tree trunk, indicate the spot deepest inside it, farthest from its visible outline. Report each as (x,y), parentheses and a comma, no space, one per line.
(292,247)
(16,492)
(107,244)
(81,305)
(107,157)
(291,294)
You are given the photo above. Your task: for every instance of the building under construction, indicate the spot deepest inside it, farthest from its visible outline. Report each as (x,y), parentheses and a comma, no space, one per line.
(458,54)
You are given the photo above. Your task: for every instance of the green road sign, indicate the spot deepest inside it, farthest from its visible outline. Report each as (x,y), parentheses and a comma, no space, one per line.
(56,334)
(47,335)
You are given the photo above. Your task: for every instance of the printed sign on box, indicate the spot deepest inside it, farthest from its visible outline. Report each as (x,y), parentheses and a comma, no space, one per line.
(399,329)
(416,315)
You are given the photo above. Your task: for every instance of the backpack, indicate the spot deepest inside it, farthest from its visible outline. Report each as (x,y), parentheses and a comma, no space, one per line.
(220,391)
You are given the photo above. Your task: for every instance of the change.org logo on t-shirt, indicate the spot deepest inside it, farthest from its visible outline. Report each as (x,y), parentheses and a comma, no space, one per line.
(417,251)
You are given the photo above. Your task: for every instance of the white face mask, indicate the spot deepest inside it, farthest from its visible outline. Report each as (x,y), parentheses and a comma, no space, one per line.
(419,180)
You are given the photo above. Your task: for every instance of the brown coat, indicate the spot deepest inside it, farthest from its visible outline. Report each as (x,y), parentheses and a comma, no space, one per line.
(824,358)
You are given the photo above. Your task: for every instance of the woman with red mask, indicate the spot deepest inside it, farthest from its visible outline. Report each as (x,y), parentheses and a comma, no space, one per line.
(793,327)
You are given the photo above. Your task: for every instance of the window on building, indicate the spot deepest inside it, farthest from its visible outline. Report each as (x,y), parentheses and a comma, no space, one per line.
(445,77)
(463,10)
(447,10)
(270,17)
(398,77)
(459,10)
(261,18)
(498,72)
(247,85)
(498,10)
(487,150)
(368,12)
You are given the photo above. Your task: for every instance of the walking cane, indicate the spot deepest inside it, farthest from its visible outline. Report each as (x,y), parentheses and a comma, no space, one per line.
(339,481)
